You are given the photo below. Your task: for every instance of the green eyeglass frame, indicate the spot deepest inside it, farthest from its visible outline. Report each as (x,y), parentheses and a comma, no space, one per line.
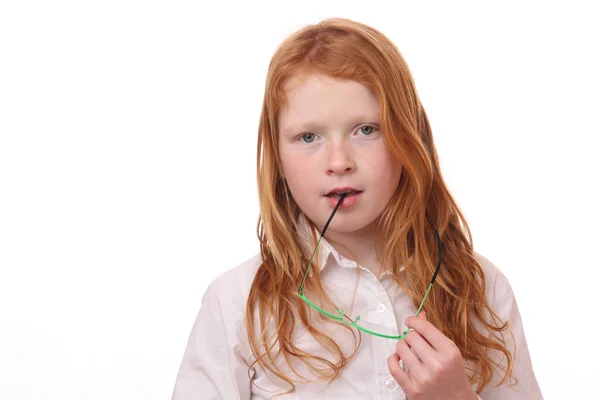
(341,316)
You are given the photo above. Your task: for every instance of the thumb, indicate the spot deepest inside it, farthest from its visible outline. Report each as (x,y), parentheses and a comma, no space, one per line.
(422,315)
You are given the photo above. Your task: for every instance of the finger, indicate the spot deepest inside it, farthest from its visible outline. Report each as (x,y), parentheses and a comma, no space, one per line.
(410,360)
(397,372)
(424,351)
(428,331)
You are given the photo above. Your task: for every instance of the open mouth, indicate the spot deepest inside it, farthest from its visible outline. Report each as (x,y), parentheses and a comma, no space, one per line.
(336,194)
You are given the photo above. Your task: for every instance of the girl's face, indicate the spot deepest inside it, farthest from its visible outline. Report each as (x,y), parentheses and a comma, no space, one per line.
(330,142)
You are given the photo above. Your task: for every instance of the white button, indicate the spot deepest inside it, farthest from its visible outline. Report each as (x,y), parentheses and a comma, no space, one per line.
(390,383)
(381,308)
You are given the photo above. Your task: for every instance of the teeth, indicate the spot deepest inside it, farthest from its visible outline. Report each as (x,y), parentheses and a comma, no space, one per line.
(339,194)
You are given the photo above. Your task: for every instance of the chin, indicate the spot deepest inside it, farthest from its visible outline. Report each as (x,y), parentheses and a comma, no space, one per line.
(349,225)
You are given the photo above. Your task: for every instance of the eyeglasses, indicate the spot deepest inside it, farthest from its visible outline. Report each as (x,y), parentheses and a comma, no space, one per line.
(357,323)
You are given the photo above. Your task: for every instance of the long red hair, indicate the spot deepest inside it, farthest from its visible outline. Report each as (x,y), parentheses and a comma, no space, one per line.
(346,49)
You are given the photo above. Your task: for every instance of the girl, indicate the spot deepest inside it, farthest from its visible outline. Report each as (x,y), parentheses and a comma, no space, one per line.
(345,150)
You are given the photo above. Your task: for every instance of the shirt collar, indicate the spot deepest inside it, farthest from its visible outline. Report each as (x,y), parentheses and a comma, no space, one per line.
(326,250)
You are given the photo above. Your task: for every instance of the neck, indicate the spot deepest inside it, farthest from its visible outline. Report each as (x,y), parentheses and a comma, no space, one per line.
(359,246)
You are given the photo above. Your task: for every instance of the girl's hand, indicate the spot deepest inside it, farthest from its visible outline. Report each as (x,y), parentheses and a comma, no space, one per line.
(437,371)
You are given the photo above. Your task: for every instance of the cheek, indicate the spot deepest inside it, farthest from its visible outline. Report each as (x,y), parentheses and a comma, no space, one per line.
(386,170)
(297,172)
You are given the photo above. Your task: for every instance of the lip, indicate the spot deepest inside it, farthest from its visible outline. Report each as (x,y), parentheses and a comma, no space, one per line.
(348,201)
(342,189)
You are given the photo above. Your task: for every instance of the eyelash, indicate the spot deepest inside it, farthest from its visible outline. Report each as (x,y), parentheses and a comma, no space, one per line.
(375,129)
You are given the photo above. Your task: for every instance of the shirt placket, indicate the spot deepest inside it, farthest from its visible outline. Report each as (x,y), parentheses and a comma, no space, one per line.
(381,312)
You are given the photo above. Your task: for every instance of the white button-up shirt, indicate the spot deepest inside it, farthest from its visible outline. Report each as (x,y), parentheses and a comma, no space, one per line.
(215,362)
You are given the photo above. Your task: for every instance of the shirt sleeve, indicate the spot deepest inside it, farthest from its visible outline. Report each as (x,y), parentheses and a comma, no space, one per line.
(527,388)
(213,365)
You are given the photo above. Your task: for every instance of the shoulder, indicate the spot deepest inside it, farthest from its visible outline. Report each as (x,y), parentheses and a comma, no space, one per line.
(496,281)
(232,286)
(224,309)
(218,352)
(498,290)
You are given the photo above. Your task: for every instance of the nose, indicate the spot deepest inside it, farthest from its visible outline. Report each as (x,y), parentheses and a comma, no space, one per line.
(340,159)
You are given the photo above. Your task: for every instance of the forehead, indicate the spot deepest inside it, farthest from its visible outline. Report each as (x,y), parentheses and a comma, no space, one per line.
(322,99)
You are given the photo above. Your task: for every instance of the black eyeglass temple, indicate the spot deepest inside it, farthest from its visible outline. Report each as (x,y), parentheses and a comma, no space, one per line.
(437,237)
(333,213)
(439,243)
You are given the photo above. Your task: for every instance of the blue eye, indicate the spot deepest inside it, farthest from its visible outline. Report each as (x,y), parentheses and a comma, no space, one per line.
(369,130)
(308,137)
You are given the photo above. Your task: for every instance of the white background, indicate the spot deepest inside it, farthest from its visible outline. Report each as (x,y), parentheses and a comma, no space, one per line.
(127,172)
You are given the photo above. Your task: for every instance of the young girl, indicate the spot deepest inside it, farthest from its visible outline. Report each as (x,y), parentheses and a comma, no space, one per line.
(395,303)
